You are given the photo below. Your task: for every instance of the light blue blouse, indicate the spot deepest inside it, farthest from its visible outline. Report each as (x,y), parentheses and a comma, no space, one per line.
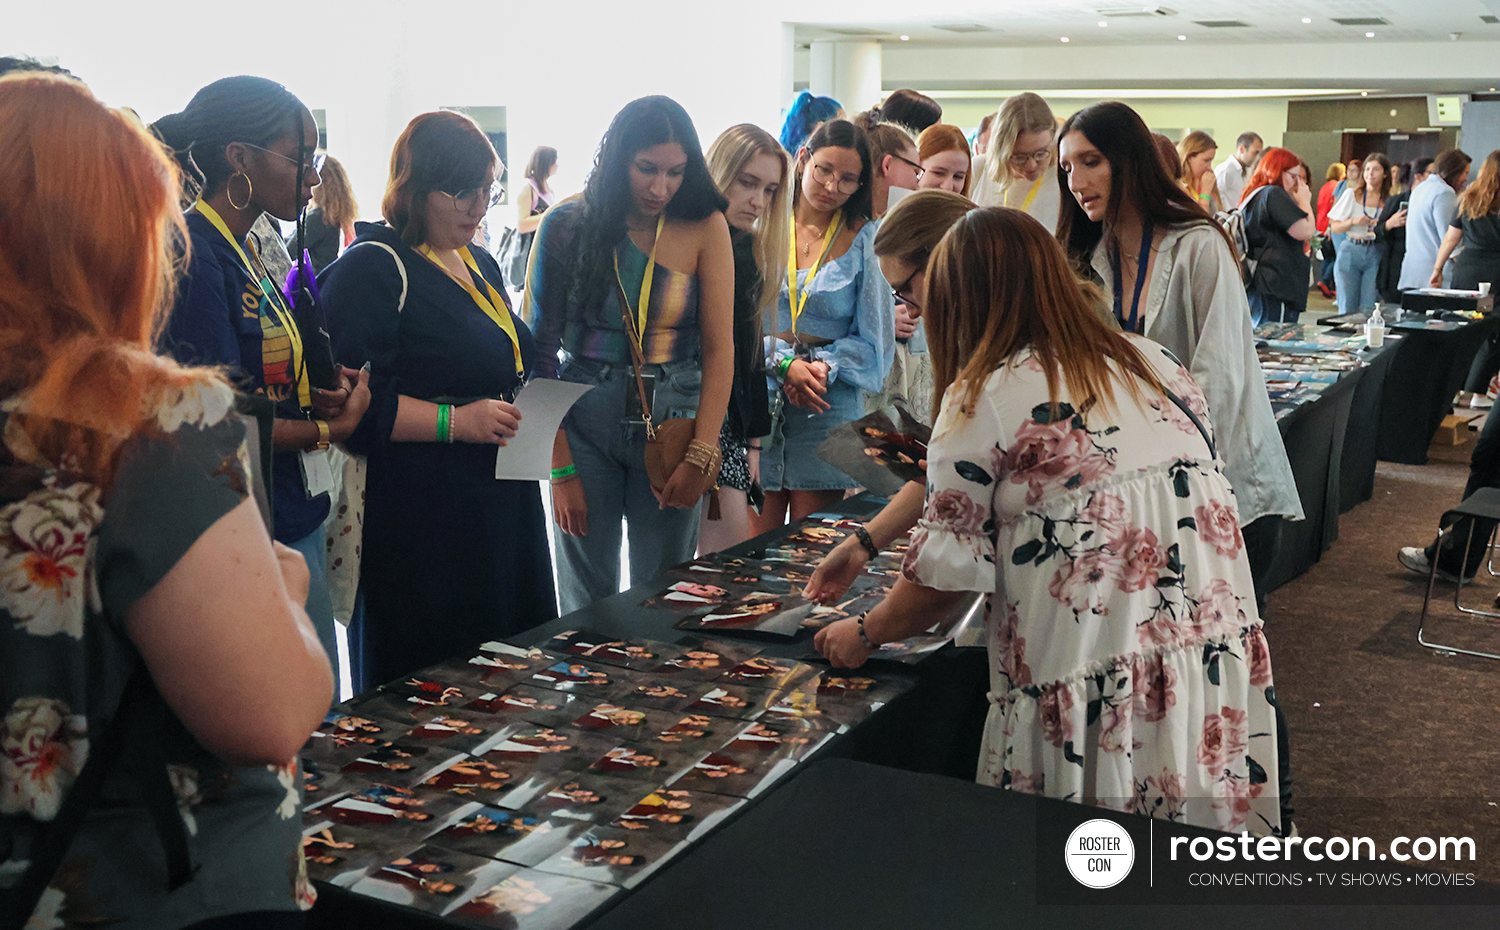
(850,303)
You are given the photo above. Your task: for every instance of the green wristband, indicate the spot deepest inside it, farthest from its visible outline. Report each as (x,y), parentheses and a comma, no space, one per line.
(445,423)
(783,365)
(567,471)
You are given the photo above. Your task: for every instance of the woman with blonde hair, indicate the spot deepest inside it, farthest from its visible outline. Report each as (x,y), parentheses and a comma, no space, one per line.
(1072,476)
(1017,167)
(1196,152)
(906,239)
(143,599)
(330,221)
(945,158)
(750,168)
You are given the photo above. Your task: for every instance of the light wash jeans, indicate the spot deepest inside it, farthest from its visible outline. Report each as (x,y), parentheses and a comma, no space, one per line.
(610,456)
(314,549)
(1355,271)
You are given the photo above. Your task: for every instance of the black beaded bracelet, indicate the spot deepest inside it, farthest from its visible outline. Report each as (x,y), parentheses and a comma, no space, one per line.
(863,535)
(863,637)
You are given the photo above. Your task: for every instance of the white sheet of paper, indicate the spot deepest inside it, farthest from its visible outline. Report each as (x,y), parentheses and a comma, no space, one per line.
(897,195)
(543,404)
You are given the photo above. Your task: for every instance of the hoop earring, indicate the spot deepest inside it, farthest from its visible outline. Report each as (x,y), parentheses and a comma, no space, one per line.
(249,190)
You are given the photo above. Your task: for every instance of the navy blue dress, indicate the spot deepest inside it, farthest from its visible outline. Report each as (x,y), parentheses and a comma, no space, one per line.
(451,556)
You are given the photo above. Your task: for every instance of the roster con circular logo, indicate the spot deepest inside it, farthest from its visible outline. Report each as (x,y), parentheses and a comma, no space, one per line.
(1099,853)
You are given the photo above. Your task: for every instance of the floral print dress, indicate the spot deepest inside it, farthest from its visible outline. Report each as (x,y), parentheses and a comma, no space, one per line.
(1127,664)
(74,557)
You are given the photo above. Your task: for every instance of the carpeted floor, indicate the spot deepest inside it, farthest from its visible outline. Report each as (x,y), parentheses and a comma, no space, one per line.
(1389,738)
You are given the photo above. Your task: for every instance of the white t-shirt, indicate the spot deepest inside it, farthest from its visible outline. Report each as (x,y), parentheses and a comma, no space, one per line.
(1347,207)
(1044,207)
(1231,177)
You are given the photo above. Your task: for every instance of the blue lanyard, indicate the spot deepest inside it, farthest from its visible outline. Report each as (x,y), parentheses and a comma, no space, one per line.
(1140,281)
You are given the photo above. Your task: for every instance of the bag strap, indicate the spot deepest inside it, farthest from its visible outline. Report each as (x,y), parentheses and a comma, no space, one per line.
(400,267)
(131,724)
(1213,453)
(637,361)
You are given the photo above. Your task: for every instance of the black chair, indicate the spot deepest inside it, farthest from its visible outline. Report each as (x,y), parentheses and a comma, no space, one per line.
(1482,504)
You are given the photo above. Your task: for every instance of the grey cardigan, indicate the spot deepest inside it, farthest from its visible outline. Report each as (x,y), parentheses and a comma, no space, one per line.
(1196,307)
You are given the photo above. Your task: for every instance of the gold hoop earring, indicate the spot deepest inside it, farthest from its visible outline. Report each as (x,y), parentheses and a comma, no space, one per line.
(249,190)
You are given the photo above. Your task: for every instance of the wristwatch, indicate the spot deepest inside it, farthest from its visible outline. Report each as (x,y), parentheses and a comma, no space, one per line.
(322,444)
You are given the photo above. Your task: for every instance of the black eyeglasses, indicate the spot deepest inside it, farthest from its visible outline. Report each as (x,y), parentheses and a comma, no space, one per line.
(915,167)
(896,291)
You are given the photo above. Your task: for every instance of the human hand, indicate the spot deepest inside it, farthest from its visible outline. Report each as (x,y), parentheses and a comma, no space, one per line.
(840,644)
(485,421)
(1207,183)
(328,404)
(294,573)
(1437,277)
(1397,219)
(805,383)
(836,572)
(906,322)
(685,486)
(569,508)
(341,427)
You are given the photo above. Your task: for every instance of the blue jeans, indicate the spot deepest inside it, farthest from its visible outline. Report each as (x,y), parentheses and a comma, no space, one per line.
(610,456)
(314,549)
(1267,309)
(1355,270)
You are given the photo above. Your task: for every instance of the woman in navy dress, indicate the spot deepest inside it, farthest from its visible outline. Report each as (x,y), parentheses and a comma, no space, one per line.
(451,555)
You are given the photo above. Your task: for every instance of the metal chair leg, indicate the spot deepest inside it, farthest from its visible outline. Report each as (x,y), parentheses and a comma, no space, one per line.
(1458,590)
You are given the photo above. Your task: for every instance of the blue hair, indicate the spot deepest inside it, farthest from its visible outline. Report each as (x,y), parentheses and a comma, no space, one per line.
(804,116)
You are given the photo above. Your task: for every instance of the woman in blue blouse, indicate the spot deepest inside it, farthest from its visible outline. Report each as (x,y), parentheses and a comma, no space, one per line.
(640,265)
(451,557)
(252,141)
(834,333)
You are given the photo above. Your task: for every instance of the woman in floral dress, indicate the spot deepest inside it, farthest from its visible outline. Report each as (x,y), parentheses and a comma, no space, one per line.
(1072,477)
(129,543)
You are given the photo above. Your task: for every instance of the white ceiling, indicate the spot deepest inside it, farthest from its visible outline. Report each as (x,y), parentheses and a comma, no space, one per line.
(1043,22)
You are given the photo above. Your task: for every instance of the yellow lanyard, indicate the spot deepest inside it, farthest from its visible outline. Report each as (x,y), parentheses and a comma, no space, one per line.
(1031,194)
(490,305)
(297,364)
(791,266)
(644,301)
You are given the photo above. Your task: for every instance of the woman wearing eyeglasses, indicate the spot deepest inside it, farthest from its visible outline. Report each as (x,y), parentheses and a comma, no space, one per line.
(251,141)
(834,327)
(894,159)
(451,556)
(1015,172)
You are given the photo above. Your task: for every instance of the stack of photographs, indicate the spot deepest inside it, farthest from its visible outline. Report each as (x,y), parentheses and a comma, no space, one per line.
(522,787)
(882,451)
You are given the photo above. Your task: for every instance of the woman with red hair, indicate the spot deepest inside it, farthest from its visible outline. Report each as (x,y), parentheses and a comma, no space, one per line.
(1279,219)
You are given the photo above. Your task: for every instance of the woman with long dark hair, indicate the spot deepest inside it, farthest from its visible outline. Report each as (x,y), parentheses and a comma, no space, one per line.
(1072,478)
(1171,274)
(834,328)
(252,143)
(1354,216)
(637,272)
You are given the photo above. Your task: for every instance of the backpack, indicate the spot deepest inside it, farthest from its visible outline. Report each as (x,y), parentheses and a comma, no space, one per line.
(1233,222)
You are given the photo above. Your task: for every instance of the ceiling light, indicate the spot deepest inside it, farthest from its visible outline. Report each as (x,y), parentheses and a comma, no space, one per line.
(1102,24)
(906,38)
(1182,38)
(1065,38)
(1306,20)
(1364,93)
(1369,35)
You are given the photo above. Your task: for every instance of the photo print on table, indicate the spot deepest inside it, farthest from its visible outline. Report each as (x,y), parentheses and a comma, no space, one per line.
(727,700)
(632,653)
(402,763)
(474,780)
(495,666)
(413,700)
(548,749)
(572,674)
(623,722)
(591,797)
(760,612)
(687,596)
(768,738)
(650,763)
(879,453)
(344,736)
(461,732)
(501,833)
(532,900)
(525,703)
(342,855)
(695,734)
(766,672)
(743,773)
(322,780)
(609,854)
(392,808)
(703,659)
(430,878)
(679,814)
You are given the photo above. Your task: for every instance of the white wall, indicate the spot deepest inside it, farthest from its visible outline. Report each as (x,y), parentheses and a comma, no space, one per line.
(562,70)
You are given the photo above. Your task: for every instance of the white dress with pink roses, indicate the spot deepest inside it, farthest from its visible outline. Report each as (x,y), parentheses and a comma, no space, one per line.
(1127,664)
